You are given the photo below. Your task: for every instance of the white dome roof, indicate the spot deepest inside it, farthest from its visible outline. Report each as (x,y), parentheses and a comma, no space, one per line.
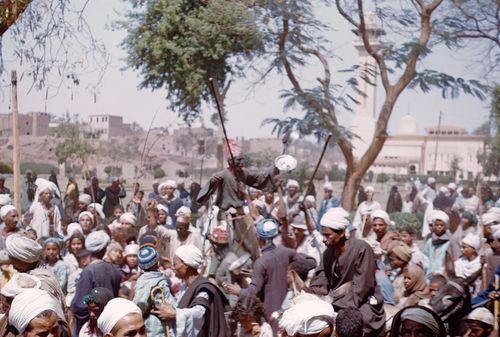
(407,125)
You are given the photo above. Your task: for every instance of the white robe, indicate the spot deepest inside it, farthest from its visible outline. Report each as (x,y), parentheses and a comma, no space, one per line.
(40,220)
(465,268)
(363,209)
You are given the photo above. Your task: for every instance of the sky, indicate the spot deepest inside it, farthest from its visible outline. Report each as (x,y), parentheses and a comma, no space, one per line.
(247,107)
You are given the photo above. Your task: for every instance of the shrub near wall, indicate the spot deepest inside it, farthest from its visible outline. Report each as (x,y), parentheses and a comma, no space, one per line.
(39,168)
(412,220)
(5,168)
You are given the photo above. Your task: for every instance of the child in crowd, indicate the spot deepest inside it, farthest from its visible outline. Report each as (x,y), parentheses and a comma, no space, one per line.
(54,262)
(407,234)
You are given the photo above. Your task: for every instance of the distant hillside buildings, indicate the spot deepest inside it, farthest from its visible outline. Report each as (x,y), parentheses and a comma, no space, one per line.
(30,124)
(107,126)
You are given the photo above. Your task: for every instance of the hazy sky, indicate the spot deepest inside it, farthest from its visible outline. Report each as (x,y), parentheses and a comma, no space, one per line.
(119,94)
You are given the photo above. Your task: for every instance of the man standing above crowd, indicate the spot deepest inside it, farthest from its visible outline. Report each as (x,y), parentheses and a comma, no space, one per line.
(348,272)
(96,193)
(329,201)
(113,193)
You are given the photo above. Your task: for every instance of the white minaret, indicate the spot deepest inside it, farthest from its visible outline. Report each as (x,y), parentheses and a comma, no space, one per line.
(363,123)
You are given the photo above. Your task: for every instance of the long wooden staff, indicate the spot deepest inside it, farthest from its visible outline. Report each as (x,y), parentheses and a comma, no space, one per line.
(311,181)
(215,94)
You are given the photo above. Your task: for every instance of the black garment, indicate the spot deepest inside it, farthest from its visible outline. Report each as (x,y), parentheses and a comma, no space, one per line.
(215,322)
(442,202)
(361,195)
(395,202)
(98,193)
(113,196)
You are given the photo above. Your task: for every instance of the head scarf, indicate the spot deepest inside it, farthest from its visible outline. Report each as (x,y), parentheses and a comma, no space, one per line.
(417,285)
(73,228)
(452,186)
(258,203)
(131,249)
(369,189)
(335,218)
(431,180)
(183,214)
(86,213)
(489,218)
(85,199)
(18,283)
(97,241)
(42,185)
(161,207)
(128,218)
(307,316)
(98,208)
(403,252)
(29,304)
(115,310)
(267,228)
(382,215)
(482,315)
(421,316)
(190,255)
(473,241)
(5,200)
(22,248)
(167,183)
(299,222)
(440,215)
(292,183)
(5,210)
(328,186)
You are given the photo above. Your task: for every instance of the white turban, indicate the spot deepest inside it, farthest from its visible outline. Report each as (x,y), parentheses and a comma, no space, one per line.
(382,215)
(73,228)
(97,241)
(132,249)
(292,183)
(482,315)
(311,199)
(190,255)
(5,210)
(5,200)
(496,234)
(98,208)
(494,210)
(489,218)
(114,311)
(29,304)
(452,186)
(18,283)
(421,316)
(440,215)
(168,183)
(328,186)
(258,203)
(472,240)
(22,248)
(369,189)
(335,218)
(308,317)
(183,213)
(161,207)
(430,180)
(443,190)
(86,213)
(43,185)
(85,199)
(128,218)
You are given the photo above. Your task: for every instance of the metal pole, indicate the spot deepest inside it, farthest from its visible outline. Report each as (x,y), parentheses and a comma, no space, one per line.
(437,141)
(16,160)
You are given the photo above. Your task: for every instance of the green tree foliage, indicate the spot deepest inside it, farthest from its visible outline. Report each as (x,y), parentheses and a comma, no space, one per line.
(491,158)
(383,178)
(5,168)
(158,173)
(70,142)
(178,45)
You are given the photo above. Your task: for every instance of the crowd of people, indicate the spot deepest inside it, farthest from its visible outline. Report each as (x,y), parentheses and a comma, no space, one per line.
(247,254)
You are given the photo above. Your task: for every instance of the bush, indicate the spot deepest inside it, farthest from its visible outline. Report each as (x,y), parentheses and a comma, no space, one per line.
(39,168)
(158,173)
(87,174)
(336,174)
(382,178)
(113,171)
(5,168)
(368,177)
(412,220)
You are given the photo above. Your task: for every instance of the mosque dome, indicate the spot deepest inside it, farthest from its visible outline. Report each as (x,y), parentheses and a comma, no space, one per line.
(407,125)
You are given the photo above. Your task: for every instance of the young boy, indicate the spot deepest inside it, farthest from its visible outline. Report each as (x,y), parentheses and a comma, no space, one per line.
(407,235)
(153,281)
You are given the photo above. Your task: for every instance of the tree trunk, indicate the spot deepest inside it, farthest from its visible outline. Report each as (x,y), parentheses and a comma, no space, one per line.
(350,190)
(10,11)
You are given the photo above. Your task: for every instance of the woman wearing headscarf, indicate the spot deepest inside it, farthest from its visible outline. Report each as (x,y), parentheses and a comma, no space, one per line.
(95,301)
(415,286)
(54,262)
(417,321)
(363,212)
(395,202)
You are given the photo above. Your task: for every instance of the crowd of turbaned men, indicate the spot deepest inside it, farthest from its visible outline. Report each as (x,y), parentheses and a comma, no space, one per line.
(247,254)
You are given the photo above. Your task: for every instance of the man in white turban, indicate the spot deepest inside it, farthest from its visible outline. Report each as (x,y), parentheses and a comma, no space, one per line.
(24,253)
(32,304)
(348,272)
(362,217)
(169,199)
(200,310)
(121,318)
(9,218)
(329,201)
(128,220)
(469,264)
(5,200)
(45,218)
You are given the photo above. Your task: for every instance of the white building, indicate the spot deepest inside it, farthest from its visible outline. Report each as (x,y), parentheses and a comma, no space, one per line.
(107,126)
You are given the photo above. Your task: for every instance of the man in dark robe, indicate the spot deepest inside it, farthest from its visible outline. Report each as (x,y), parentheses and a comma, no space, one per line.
(226,185)
(113,193)
(395,202)
(95,191)
(200,311)
(347,273)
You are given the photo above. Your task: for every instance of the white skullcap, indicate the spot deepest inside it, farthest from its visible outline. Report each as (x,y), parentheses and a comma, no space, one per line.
(299,222)
(180,181)
(473,241)
(85,199)
(482,315)
(307,317)
(98,208)
(190,255)
(161,207)
(328,186)
(382,215)
(494,210)
(443,189)
(86,213)
(489,218)
(6,210)
(335,218)
(22,248)
(292,183)
(132,249)
(258,203)
(440,215)
(310,198)
(168,183)
(18,283)
(129,218)
(5,200)
(97,241)
(73,228)
(114,311)
(370,189)
(29,304)
(452,186)
(431,180)
(183,213)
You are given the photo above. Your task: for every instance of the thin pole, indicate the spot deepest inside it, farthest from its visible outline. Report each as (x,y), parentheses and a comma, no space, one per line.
(16,160)
(437,141)
(311,181)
